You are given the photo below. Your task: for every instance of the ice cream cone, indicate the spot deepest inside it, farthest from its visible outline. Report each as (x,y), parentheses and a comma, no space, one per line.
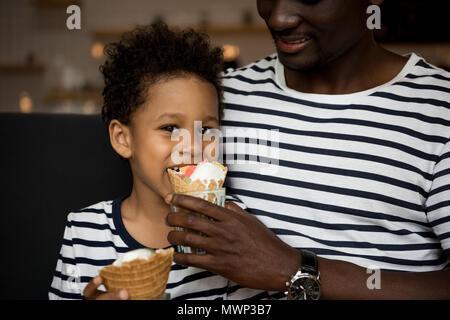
(204,181)
(192,179)
(180,186)
(144,279)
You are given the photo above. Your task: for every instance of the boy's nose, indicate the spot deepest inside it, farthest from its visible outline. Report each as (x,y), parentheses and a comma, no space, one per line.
(193,149)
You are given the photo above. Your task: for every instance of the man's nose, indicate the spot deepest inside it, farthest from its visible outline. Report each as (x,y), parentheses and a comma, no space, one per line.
(282,17)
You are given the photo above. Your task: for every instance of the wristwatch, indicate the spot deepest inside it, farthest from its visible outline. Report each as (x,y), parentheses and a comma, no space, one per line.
(305,283)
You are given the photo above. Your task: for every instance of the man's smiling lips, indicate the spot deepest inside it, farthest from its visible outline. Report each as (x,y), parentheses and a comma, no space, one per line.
(292,44)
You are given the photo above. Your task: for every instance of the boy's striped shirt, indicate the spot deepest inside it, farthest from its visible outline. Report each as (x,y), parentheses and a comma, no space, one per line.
(95,237)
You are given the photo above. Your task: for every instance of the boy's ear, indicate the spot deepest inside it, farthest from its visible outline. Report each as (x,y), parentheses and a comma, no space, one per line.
(120,137)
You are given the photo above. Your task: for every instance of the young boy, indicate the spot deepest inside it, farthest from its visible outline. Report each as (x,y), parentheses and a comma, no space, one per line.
(157,82)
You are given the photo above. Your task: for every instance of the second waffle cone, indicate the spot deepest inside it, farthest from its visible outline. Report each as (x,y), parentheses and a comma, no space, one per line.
(143,279)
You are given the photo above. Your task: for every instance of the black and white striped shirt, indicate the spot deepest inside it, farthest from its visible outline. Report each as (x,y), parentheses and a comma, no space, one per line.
(95,237)
(362,177)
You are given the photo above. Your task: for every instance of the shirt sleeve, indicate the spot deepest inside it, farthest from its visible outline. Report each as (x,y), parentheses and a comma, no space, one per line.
(66,279)
(438,201)
(236,200)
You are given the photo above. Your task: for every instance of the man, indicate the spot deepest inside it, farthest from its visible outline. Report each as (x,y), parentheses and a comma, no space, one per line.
(360,174)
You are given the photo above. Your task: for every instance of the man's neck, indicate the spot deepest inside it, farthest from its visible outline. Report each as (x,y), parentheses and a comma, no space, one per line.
(363,67)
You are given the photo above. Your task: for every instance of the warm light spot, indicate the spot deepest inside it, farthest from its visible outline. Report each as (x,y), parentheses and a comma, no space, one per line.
(97,50)
(89,107)
(230,52)
(25,102)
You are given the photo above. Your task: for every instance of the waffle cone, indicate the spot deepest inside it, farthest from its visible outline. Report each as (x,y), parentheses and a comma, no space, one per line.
(143,279)
(180,186)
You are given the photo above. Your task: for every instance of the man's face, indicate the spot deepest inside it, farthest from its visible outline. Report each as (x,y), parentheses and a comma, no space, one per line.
(309,34)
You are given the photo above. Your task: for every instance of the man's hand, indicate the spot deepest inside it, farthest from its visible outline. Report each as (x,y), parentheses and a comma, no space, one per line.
(91,291)
(239,247)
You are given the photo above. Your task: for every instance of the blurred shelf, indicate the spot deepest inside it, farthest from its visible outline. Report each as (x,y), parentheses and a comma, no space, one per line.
(54,3)
(21,68)
(58,95)
(212,30)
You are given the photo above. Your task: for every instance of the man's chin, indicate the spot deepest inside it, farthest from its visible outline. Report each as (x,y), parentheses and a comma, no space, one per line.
(300,64)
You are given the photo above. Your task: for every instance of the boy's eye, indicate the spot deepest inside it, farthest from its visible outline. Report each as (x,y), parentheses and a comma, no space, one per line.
(169,128)
(205,129)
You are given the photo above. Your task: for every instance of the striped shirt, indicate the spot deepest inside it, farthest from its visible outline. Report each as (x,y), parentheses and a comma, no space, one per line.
(95,237)
(362,177)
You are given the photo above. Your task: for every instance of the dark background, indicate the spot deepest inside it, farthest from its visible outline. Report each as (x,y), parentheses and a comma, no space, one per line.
(415,21)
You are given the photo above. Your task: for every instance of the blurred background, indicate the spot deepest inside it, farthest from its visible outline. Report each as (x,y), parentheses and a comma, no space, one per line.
(47,68)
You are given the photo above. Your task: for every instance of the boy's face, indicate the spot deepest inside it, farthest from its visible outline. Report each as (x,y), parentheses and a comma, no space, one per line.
(310,33)
(171,107)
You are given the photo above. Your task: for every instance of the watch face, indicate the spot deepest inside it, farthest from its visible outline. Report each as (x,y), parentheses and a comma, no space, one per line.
(305,288)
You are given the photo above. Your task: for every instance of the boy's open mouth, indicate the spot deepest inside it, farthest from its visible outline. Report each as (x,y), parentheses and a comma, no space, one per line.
(177,167)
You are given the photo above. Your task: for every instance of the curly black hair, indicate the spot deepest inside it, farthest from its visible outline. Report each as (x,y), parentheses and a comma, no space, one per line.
(149,54)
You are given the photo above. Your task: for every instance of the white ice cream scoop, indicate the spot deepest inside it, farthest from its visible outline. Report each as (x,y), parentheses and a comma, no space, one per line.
(208,170)
(134,254)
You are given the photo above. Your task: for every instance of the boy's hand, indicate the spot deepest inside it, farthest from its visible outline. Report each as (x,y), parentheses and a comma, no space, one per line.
(92,293)
(239,246)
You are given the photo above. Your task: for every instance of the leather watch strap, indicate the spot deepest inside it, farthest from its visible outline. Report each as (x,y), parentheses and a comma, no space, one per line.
(309,263)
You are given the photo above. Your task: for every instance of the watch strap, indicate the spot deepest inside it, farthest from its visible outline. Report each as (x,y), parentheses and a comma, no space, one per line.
(309,263)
